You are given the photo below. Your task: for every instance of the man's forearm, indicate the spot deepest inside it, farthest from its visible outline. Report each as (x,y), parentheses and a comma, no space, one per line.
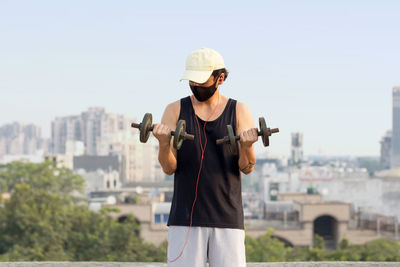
(247,159)
(167,159)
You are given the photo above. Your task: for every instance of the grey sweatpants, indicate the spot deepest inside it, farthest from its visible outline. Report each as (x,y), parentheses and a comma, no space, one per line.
(224,247)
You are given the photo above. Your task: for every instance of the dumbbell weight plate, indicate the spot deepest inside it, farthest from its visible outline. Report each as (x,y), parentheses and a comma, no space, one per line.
(264,131)
(178,135)
(232,140)
(145,127)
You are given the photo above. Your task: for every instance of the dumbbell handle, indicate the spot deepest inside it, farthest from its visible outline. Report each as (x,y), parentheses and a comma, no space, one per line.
(226,140)
(185,136)
(135,125)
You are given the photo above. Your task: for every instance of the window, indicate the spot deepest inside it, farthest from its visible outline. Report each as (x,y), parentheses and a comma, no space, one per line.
(166,216)
(161,218)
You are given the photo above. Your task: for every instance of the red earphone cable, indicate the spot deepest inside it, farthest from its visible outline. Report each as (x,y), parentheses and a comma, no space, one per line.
(198,175)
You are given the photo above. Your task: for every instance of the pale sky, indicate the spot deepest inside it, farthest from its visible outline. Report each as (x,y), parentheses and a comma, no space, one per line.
(325,68)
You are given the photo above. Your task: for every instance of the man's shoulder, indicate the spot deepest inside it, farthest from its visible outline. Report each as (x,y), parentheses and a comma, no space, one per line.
(241,107)
(174,106)
(243,116)
(172,110)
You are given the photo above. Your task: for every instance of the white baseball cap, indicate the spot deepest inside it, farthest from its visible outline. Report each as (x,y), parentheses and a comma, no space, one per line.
(201,63)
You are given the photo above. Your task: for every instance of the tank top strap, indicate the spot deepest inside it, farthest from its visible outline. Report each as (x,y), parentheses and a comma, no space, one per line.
(186,108)
(229,114)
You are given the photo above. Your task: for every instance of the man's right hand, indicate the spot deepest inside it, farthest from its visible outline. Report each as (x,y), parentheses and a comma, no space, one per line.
(163,133)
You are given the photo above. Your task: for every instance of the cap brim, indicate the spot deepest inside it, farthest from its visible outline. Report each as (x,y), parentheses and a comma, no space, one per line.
(196,76)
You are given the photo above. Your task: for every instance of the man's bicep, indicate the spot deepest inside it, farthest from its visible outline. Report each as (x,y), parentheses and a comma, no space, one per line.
(170,119)
(244,118)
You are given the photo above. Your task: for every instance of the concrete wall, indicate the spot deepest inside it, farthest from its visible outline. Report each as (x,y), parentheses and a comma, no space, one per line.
(358,237)
(300,236)
(296,237)
(141,212)
(134,264)
(300,197)
(339,211)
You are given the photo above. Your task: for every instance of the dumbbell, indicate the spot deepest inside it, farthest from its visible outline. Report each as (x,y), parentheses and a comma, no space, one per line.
(231,139)
(146,126)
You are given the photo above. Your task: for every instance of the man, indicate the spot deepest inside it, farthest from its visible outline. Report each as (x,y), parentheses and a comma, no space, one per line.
(206,217)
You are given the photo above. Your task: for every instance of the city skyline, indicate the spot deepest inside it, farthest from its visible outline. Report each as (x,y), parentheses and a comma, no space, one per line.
(260,150)
(324,69)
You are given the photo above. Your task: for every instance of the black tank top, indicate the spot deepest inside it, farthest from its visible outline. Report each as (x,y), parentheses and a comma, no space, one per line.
(219,198)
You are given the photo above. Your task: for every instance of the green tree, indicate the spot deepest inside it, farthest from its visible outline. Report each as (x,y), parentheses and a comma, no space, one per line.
(382,250)
(345,252)
(98,237)
(299,254)
(41,176)
(34,221)
(45,220)
(265,248)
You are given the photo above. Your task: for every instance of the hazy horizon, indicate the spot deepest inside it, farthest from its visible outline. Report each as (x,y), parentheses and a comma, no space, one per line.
(322,68)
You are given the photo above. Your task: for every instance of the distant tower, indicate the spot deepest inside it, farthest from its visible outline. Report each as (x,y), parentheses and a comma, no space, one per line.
(297,149)
(395,153)
(386,146)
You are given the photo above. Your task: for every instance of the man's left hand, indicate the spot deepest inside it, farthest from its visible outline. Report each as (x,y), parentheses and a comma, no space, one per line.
(248,137)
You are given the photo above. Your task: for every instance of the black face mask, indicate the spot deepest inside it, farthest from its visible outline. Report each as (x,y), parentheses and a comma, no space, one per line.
(203,93)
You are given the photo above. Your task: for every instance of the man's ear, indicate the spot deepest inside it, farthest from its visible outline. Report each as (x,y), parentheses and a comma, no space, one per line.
(221,78)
